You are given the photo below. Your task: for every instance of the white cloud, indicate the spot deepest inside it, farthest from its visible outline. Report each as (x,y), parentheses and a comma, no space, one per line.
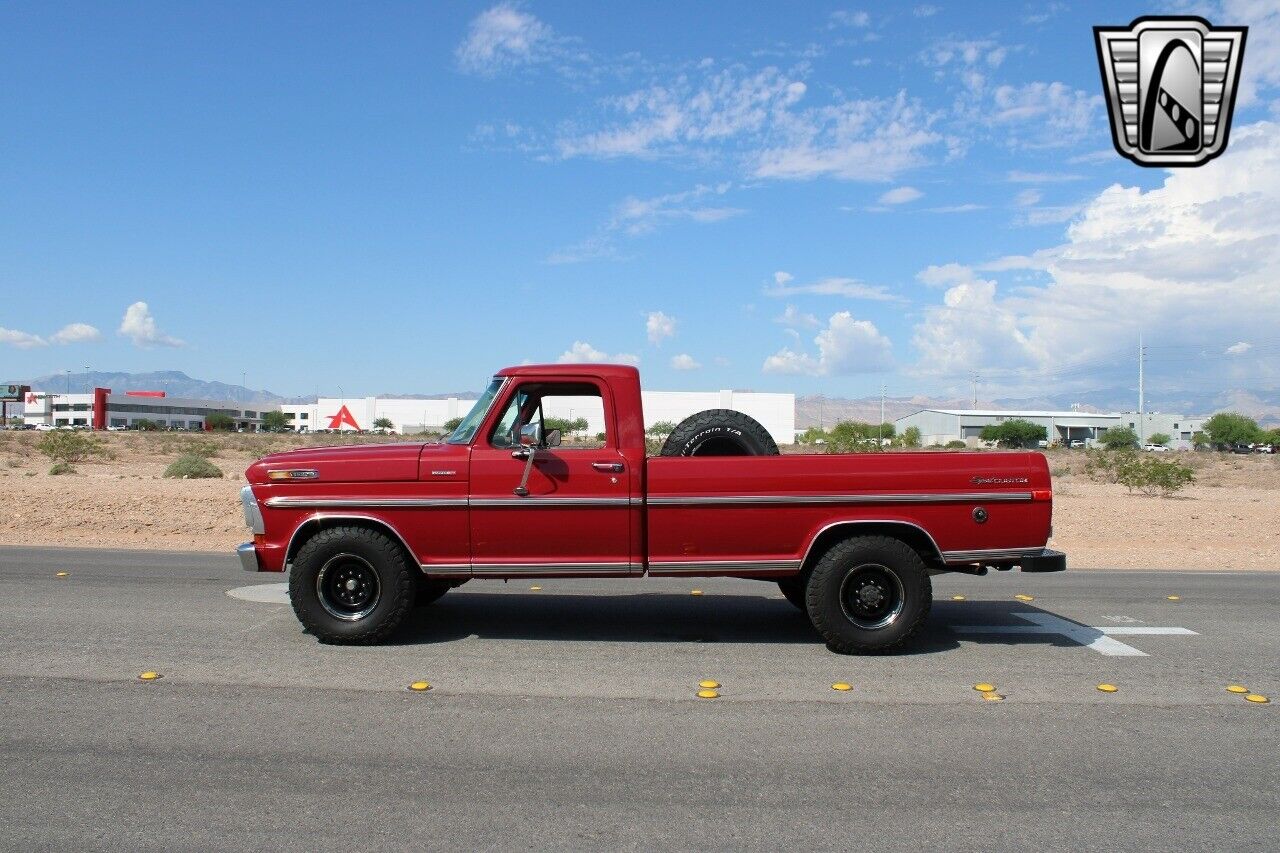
(1042,115)
(658,327)
(873,139)
(21,340)
(900,195)
(956,208)
(684,361)
(925,10)
(755,120)
(1239,349)
(846,18)
(504,37)
(75,333)
(1260,73)
(794,318)
(584,353)
(845,347)
(944,274)
(1194,259)
(641,215)
(1019,177)
(849,287)
(139,326)
(1027,198)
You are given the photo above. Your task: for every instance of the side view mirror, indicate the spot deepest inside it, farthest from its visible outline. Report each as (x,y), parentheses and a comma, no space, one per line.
(531,435)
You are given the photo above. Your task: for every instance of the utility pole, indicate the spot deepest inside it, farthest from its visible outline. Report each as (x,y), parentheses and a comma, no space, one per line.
(975,389)
(881,429)
(1142,357)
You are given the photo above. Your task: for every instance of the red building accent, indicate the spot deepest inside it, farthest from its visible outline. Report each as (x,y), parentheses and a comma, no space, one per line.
(144,393)
(343,416)
(100,407)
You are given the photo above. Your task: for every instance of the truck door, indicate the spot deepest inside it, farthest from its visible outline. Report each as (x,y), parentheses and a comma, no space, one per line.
(575,517)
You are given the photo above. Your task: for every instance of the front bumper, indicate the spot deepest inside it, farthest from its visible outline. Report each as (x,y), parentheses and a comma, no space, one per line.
(248,555)
(1047,560)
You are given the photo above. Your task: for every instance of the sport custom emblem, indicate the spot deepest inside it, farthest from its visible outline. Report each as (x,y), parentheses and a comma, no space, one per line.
(1171,85)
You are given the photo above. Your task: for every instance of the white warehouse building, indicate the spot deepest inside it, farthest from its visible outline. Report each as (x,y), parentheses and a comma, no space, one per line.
(775,412)
(940,426)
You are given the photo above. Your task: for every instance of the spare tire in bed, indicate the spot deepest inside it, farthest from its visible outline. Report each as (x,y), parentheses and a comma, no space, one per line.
(719,432)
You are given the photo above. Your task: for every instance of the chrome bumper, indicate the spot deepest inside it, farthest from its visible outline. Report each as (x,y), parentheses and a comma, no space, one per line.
(248,557)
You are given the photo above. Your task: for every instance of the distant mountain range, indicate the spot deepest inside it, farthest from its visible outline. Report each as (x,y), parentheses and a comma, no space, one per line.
(811,410)
(818,410)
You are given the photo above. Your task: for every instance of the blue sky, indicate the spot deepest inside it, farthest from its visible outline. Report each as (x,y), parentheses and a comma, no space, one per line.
(395,197)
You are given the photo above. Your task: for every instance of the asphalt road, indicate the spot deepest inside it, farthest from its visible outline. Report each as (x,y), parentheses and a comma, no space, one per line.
(567,717)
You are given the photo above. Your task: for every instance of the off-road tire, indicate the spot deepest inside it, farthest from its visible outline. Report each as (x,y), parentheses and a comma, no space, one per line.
(719,432)
(793,589)
(856,558)
(396,582)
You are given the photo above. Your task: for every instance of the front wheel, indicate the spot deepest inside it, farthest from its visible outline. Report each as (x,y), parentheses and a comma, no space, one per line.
(351,585)
(868,594)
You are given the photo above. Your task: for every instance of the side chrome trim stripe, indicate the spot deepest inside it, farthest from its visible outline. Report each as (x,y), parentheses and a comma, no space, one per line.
(290,502)
(287,502)
(884,498)
(535,501)
(692,567)
(554,568)
(990,554)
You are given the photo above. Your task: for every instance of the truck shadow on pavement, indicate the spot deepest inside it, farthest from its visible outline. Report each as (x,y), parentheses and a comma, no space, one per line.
(680,618)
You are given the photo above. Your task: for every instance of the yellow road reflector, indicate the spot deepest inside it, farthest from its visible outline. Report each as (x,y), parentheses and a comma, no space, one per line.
(1022,597)
(1174,597)
(62,574)
(841,686)
(708,694)
(535,588)
(1108,688)
(957,598)
(419,686)
(992,696)
(1237,688)
(984,687)
(1257,697)
(695,592)
(708,684)
(148,676)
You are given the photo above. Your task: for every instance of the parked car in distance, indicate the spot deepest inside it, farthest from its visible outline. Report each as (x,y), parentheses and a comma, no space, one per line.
(1264,448)
(45,427)
(1077,444)
(1239,448)
(1155,448)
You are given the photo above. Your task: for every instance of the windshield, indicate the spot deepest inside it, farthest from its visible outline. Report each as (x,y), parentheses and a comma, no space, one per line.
(467,429)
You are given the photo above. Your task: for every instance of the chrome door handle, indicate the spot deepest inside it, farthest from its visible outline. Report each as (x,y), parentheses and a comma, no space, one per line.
(608,467)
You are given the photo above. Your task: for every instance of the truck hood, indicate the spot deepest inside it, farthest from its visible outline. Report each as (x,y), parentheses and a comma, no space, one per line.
(359,463)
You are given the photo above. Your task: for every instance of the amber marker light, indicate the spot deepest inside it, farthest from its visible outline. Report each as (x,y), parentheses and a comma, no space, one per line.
(293,474)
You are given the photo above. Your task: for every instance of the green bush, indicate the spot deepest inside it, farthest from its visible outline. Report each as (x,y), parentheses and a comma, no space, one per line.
(956,444)
(219,421)
(1231,428)
(62,468)
(1153,476)
(69,447)
(1103,466)
(1014,433)
(192,467)
(199,447)
(451,424)
(911,437)
(1118,438)
(1160,438)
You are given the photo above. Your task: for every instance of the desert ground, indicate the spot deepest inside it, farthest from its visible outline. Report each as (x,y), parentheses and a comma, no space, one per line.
(1225,521)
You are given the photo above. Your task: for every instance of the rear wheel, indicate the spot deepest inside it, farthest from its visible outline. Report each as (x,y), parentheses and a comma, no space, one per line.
(351,585)
(868,594)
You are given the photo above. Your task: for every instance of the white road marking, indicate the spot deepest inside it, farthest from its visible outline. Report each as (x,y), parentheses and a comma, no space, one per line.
(263,593)
(1097,638)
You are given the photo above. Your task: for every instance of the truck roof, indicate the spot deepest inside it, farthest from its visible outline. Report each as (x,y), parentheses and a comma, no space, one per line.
(604,371)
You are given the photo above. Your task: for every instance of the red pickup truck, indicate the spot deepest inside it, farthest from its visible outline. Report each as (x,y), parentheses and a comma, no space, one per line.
(368,531)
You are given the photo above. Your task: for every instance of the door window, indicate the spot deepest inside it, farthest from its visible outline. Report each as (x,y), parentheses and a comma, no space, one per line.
(576,409)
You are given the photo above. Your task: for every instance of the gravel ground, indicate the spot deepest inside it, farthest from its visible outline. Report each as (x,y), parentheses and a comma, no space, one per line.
(1225,521)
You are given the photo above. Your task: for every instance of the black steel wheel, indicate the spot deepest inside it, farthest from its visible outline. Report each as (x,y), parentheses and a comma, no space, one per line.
(868,594)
